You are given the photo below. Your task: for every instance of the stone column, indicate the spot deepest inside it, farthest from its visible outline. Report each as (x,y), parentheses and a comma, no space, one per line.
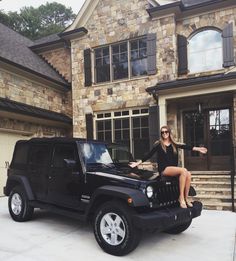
(162,111)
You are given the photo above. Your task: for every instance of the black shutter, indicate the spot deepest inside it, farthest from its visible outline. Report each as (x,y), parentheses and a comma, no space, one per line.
(89,125)
(228,46)
(182,54)
(87,68)
(154,124)
(151,54)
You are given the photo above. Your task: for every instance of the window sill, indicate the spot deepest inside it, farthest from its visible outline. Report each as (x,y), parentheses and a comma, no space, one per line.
(119,81)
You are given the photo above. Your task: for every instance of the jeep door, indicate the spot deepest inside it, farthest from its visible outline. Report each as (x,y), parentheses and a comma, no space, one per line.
(38,167)
(65,182)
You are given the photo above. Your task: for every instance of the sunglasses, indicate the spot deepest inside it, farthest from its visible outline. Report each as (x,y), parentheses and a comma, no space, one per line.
(164,132)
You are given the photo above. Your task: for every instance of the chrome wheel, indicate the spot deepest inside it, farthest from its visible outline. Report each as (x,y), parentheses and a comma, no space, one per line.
(112,229)
(16,204)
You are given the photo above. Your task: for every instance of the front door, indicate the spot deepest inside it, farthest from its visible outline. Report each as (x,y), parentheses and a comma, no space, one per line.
(211,129)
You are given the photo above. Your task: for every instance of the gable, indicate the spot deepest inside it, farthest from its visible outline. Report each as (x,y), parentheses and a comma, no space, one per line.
(89,6)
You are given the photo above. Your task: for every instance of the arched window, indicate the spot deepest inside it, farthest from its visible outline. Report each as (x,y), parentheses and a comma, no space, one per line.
(205,51)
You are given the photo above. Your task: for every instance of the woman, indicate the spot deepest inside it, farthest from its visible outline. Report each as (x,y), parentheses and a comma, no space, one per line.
(167,158)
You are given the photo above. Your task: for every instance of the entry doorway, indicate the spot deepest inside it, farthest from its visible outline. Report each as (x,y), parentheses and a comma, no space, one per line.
(212,129)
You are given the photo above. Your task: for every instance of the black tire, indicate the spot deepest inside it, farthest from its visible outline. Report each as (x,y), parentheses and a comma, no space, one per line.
(18,205)
(179,229)
(126,236)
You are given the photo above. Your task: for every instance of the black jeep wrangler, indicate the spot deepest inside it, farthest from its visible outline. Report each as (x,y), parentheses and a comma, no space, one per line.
(92,181)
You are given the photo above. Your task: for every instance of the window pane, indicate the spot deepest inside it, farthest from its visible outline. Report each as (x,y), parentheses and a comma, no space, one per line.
(100,136)
(118,135)
(118,124)
(220,132)
(103,73)
(125,123)
(136,122)
(102,62)
(22,153)
(205,51)
(99,125)
(120,61)
(139,67)
(126,134)
(39,155)
(136,133)
(62,152)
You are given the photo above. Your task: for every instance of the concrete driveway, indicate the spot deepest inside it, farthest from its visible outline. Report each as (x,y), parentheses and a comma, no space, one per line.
(49,237)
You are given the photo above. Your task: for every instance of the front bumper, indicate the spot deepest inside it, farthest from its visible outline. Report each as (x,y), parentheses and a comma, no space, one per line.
(166,218)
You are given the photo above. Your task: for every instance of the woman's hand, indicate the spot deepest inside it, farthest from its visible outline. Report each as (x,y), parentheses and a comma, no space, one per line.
(202,150)
(133,164)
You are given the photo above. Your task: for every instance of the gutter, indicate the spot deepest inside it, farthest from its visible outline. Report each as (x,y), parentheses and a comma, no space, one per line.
(190,81)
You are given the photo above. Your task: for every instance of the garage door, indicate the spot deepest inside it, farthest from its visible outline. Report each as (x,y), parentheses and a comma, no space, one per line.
(7,143)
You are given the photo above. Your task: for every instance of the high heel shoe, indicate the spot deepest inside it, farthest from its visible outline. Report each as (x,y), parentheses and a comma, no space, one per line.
(182,204)
(188,203)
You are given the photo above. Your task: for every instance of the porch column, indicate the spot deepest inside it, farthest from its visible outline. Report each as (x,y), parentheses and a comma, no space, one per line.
(162,111)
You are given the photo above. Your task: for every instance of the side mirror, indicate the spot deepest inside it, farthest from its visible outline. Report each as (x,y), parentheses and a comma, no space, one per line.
(70,164)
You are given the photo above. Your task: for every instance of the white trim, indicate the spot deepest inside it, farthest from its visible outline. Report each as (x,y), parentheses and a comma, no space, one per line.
(83,15)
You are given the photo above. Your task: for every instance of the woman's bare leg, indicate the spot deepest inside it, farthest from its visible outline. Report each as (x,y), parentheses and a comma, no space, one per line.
(187,188)
(182,173)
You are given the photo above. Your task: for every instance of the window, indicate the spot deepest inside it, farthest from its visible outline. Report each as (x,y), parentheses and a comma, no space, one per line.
(21,153)
(220,138)
(62,152)
(102,64)
(40,155)
(138,57)
(128,127)
(205,51)
(120,61)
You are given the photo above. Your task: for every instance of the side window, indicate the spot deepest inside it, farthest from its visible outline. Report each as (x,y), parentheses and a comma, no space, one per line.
(21,153)
(39,155)
(62,152)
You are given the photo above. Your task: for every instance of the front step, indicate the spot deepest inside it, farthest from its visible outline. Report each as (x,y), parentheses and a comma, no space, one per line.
(213,189)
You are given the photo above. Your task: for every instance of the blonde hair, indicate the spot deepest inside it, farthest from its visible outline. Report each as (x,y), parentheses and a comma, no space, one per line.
(173,142)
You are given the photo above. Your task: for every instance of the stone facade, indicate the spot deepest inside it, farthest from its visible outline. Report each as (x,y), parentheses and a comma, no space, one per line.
(30,129)
(116,21)
(217,19)
(20,89)
(27,91)
(60,59)
(111,22)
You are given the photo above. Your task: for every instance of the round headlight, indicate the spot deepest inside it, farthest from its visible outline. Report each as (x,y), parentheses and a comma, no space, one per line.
(149,191)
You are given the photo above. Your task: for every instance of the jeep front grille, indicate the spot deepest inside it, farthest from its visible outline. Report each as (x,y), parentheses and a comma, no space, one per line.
(166,195)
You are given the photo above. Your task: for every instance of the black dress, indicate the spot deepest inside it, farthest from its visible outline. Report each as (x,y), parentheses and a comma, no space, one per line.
(168,158)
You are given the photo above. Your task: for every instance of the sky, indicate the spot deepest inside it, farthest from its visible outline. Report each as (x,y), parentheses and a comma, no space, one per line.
(16,5)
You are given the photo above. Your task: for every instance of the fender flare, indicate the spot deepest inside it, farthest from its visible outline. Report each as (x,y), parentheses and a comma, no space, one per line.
(139,199)
(23,181)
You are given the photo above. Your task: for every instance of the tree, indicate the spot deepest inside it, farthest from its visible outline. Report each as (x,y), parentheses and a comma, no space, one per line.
(38,22)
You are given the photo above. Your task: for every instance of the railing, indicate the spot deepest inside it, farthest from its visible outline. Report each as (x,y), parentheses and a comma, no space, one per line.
(233,176)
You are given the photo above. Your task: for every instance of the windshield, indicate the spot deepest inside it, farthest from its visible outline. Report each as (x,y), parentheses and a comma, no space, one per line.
(95,153)
(120,153)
